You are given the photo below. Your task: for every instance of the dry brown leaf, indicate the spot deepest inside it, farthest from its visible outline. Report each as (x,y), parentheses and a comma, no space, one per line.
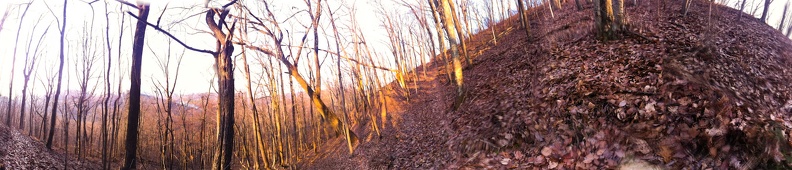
(666,153)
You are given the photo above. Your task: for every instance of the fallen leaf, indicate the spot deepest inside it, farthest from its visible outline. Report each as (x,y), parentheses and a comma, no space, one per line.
(666,153)
(547,151)
(552,165)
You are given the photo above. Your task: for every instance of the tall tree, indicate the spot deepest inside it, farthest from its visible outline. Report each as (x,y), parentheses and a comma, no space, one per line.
(524,17)
(133,118)
(765,10)
(27,71)
(13,60)
(60,77)
(458,30)
(165,103)
(104,130)
(276,36)
(256,127)
(453,40)
(225,82)
(223,71)
(783,17)
(742,8)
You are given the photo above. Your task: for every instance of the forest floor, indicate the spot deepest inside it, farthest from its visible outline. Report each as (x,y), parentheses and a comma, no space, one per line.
(19,151)
(702,91)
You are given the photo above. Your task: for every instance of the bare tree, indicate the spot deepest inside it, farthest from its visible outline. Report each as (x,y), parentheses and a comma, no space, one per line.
(453,40)
(13,60)
(742,8)
(783,17)
(48,85)
(524,17)
(130,160)
(276,36)
(105,107)
(165,95)
(60,77)
(84,73)
(765,10)
(5,16)
(256,127)
(28,70)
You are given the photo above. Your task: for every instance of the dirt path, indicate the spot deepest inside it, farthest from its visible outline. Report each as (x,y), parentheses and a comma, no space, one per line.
(412,122)
(18,151)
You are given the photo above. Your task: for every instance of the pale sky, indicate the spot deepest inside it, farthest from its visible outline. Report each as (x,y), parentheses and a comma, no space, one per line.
(196,68)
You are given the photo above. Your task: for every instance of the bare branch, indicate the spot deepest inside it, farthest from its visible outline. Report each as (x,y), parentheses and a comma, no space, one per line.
(172,37)
(127,3)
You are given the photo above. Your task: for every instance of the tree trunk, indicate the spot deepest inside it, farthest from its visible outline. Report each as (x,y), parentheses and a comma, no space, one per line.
(27,71)
(454,41)
(256,127)
(783,18)
(130,160)
(11,83)
(765,10)
(324,111)
(556,4)
(105,106)
(440,36)
(225,81)
(604,19)
(60,77)
(686,7)
(620,16)
(742,8)
(338,68)
(460,36)
(523,17)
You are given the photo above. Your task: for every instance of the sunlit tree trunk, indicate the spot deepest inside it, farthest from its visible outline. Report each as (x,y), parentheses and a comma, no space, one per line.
(440,37)
(256,127)
(604,19)
(450,30)
(556,4)
(458,29)
(620,16)
(225,82)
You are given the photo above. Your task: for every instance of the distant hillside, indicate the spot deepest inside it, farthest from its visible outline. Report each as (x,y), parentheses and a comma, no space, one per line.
(706,90)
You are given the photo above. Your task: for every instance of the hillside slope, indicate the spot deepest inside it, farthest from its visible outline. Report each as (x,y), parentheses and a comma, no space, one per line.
(707,90)
(19,151)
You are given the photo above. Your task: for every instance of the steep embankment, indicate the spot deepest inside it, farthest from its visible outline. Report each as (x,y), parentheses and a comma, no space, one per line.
(706,90)
(18,151)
